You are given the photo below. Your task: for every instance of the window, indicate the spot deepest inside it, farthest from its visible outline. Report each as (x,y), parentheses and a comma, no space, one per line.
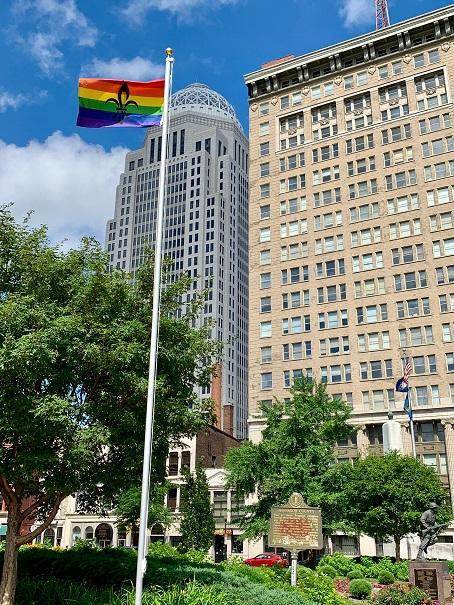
(285,102)
(293,300)
(294,275)
(372,313)
(372,370)
(330,268)
(407,254)
(293,205)
(444,247)
(265,355)
(333,319)
(265,211)
(265,169)
(265,280)
(334,346)
(397,133)
(445,275)
(265,190)
(361,78)
(370,287)
(403,203)
(366,262)
(266,381)
(405,228)
(419,60)
(414,307)
(264,108)
(420,335)
(265,234)
(410,281)
(336,373)
(326,221)
(364,237)
(423,364)
(443,195)
(265,329)
(296,324)
(332,293)
(435,123)
(359,143)
(400,179)
(264,149)
(362,188)
(449,362)
(374,341)
(264,128)
(348,82)
(265,304)
(365,212)
(446,302)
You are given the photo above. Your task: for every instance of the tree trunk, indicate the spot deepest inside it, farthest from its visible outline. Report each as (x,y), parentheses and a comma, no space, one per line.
(9,574)
(397,543)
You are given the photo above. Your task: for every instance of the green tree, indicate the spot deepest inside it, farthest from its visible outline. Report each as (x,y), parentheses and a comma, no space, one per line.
(197,520)
(296,449)
(74,350)
(127,509)
(383,496)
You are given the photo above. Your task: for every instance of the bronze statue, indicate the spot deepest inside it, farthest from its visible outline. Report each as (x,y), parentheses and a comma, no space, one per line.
(429,531)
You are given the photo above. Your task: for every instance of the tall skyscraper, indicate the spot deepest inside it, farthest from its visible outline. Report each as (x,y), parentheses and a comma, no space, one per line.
(205,226)
(351,230)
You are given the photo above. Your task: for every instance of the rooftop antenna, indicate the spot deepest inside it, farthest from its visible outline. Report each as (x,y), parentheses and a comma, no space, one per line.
(381,14)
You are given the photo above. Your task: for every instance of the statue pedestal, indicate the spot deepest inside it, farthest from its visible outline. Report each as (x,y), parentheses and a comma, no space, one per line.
(433,578)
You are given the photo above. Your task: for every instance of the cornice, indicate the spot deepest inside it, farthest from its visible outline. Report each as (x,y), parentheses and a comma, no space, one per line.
(357,43)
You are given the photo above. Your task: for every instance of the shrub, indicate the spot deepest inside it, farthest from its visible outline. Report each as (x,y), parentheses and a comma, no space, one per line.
(399,596)
(386,577)
(360,589)
(319,589)
(356,574)
(328,570)
(163,550)
(340,562)
(45,591)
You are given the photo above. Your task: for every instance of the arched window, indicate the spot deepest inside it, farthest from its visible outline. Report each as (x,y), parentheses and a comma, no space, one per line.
(49,536)
(104,535)
(89,533)
(77,534)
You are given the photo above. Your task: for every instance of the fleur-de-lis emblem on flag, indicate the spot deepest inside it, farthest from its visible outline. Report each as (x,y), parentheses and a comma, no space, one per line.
(122,103)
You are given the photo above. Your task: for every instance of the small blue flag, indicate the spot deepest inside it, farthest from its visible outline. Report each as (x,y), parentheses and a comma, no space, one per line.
(402,385)
(407,406)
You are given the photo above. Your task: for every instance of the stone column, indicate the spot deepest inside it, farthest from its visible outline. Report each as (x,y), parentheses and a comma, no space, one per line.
(362,441)
(448,425)
(406,439)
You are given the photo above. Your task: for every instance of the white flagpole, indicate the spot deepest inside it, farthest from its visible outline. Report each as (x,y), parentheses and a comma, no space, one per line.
(148,444)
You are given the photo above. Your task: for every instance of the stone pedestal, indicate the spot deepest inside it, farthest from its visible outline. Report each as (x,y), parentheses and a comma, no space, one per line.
(433,578)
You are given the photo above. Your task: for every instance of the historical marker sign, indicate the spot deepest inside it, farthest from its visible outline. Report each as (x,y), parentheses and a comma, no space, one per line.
(426,579)
(296,526)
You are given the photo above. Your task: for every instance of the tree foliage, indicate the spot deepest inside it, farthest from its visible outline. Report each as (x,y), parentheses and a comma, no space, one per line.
(197,521)
(297,448)
(383,496)
(74,349)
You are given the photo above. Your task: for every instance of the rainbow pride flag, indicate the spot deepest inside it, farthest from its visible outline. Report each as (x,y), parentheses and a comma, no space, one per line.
(120,103)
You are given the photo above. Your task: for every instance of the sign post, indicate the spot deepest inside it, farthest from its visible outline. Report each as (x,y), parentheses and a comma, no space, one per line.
(295,527)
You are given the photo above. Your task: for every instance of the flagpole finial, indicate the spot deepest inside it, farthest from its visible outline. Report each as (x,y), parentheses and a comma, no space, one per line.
(169,52)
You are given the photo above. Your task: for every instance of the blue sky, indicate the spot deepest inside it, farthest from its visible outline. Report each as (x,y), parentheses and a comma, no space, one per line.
(67,174)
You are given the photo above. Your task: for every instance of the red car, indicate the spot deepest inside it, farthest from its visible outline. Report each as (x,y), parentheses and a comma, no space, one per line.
(268,559)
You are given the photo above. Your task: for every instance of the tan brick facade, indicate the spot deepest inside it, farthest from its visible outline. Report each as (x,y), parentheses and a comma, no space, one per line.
(351,229)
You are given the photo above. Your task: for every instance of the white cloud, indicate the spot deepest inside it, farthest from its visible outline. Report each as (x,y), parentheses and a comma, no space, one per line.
(68,183)
(357,12)
(137,68)
(54,23)
(11,100)
(136,10)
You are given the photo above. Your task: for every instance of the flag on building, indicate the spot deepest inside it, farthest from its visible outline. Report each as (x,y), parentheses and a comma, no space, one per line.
(402,386)
(120,103)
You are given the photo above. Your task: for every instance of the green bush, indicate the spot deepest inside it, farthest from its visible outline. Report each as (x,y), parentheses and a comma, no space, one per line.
(398,596)
(328,570)
(45,591)
(319,589)
(356,574)
(360,589)
(386,577)
(340,562)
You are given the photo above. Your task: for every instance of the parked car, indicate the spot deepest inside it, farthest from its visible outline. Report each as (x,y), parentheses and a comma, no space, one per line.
(268,559)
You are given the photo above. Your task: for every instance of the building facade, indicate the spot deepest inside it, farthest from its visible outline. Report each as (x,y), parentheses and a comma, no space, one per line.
(205,227)
(351,231)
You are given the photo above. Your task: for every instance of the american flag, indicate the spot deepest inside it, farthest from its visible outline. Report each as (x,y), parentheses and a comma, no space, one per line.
(407,369)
